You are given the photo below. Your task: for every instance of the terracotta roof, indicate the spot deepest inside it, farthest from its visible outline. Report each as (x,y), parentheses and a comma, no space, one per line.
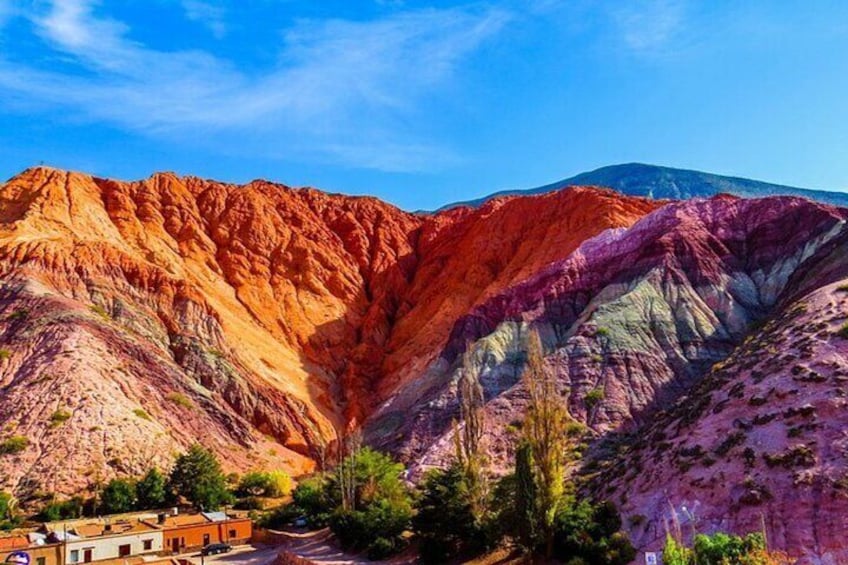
(184,520)
(98,529)
(13,542)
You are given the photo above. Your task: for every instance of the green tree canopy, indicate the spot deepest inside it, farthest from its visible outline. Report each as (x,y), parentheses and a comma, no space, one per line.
(198,477)
(151,491)
(118,496)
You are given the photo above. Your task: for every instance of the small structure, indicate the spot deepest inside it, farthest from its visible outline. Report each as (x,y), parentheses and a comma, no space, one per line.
(190,532)
(101,539)
(42,553)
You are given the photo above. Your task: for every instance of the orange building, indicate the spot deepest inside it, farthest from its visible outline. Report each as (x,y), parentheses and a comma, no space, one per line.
(190,532)
(47,554)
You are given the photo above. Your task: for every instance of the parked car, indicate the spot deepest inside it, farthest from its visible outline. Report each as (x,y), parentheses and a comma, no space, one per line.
(216,548)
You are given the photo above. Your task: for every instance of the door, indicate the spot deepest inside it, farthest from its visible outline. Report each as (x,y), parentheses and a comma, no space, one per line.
(205,540)
(175,544)
(87,555)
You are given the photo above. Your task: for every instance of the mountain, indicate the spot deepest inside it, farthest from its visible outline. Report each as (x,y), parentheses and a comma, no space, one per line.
(637,326)
(699,344)
(637,179)
(137,318)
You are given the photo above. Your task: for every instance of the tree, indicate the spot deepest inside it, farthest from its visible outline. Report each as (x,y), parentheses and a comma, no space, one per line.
(445,521)
(197,476)
(526,511)
(118,496)
(468,439)
(151,491)
(545,432)
(9,516)
(279,484)
(591,533)
(379,506)
(313,498)
(261,483)
(253,483)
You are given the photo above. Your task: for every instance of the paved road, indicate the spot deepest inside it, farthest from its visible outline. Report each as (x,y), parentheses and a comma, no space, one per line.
(241,555)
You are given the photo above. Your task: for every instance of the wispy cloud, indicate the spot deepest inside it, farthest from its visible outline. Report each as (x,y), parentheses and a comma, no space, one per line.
(211,14)
(343,90)
(648,26)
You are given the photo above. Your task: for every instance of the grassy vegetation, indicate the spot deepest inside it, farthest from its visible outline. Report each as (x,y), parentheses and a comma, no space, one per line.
(142,414)
(593,397)
(13,444)
(19,314)
(59,417)
(179,399)
(5,354)
(100,311)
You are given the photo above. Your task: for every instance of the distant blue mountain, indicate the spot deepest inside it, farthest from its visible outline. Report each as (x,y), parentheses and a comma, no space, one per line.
(637,179)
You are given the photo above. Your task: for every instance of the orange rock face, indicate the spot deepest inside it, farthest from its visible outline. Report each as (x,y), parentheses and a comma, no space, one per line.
(139,317)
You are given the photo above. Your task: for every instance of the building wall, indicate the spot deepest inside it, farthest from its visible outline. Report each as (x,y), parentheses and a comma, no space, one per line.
(106,547)
(52,554)
(192,537)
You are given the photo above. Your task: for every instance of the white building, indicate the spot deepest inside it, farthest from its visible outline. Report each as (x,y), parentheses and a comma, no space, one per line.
(95,540)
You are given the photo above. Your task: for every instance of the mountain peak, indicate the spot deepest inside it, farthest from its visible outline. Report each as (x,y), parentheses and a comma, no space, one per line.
(655,181)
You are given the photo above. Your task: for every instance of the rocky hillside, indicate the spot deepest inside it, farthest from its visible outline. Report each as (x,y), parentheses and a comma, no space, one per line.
(137,318)
(639,179)
(632,322)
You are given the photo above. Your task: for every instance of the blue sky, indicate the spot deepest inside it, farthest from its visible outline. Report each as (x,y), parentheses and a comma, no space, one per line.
(424,103)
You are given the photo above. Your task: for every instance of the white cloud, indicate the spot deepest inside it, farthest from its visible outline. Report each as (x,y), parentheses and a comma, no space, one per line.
(210,14)
(648,26)
(343,90)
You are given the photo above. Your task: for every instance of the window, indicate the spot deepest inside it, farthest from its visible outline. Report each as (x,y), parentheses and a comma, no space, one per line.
(40,561)
(147,544)
(124,550)
(233,534)
(74,556)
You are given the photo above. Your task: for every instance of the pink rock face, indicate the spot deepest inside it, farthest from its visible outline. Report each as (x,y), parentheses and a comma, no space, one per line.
(638,317)
(761,441)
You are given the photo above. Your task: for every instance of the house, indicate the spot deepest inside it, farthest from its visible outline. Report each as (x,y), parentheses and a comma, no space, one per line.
(84,541)
(39,553)
(190,532)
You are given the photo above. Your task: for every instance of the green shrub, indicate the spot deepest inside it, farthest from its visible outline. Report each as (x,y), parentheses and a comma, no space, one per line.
(59,417)
(10,518)
(280,517)
(843,331)
(13,444)
(593,397)
(100,311)
(5,354)
(249,503)
(314,500)
(142,414)
(62,510)
(264,483)
(592,533)
(179,399)
(378,528)
(19,314)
